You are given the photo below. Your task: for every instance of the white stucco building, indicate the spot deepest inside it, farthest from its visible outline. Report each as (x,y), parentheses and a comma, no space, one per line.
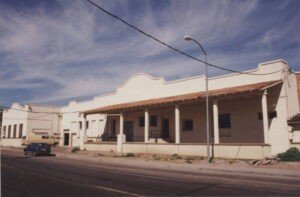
(251,115)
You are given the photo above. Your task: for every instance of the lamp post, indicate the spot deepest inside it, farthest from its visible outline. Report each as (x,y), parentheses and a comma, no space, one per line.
(189,38)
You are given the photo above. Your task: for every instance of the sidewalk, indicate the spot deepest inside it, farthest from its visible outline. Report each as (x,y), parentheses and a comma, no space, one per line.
(203,167)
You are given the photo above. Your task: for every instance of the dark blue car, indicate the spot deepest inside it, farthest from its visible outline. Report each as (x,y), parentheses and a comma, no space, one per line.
(37,149)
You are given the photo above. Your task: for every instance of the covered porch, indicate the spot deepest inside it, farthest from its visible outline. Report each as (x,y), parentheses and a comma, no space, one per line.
(239,121)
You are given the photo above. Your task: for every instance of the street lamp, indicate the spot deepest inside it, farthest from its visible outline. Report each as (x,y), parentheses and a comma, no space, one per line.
(189,38)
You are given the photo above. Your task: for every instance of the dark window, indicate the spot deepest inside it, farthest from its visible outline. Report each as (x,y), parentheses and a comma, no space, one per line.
(142,121)
(153,121)
(80,125)
(4,131)
(224,121)
(271,115)
(187,125)
(20,130)
(87,124)
(15,131)
(114,127)
(9,128)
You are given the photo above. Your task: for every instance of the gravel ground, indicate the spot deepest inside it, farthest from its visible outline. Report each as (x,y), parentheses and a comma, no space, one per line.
(189,160)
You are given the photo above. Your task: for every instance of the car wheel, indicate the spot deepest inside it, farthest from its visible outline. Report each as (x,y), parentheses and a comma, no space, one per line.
(25,153)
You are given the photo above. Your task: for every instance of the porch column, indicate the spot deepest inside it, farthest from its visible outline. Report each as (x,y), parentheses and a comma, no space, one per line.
(121,137)
(216,122)
(177,125)
(83,133)
(146,126)
(265,117)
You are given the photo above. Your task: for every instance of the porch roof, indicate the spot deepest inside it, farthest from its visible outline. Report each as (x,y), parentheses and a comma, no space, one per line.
(257,87)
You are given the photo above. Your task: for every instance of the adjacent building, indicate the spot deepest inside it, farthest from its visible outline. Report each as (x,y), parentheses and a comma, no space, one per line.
(252,115)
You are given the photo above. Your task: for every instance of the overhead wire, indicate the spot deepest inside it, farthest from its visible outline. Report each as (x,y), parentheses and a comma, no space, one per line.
(171,47)
(157,40)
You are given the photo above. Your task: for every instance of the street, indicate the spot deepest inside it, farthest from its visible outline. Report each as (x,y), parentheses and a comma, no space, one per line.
(57,176)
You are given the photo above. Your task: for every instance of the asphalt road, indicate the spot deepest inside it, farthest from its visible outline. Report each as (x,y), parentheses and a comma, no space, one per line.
(56,176)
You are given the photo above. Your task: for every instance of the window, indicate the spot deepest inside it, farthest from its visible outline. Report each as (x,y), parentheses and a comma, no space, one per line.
(153,121)
(20,130)
(114,127)
(271,115)
(80,125)
(4,131)
(15,131)
(9,128)
(142,121)
(187,125)
(224,121)
(87,124)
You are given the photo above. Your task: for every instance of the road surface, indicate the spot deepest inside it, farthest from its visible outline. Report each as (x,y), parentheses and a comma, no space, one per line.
(57,176)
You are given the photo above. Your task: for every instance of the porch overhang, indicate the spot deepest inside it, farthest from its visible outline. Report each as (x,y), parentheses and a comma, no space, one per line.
(191,97)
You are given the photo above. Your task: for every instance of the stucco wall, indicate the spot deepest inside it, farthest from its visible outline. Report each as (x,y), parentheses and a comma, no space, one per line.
(11,142)
(238,151)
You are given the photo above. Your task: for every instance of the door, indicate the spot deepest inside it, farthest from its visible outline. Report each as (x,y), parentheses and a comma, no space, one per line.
(128,130)
(66,139)
(165,128)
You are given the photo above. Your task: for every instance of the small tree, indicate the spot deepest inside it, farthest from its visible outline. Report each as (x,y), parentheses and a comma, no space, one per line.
(292,154)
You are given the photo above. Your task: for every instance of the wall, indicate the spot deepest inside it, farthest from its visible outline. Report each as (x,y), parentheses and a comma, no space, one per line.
(15,117)
(238,151)
(46,121)
(11,142)
(245,125)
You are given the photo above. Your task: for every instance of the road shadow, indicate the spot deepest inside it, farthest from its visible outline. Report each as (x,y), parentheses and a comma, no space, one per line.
(50,155)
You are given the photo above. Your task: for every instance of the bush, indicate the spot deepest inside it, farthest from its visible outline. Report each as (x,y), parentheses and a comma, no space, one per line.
(75,149)
(130,155)
(175,156)
(292,154)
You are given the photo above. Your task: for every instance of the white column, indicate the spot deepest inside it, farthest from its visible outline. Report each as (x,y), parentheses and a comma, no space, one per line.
(121,124)
(146,126)
(83,133)
(121,137)
(265,117)
(177,125)
(216,121)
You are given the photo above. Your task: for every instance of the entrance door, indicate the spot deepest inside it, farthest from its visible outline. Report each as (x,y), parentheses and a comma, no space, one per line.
(66,139)
(165,128)
(128,130)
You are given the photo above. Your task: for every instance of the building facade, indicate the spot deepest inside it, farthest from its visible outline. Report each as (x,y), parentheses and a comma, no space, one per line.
(251,115)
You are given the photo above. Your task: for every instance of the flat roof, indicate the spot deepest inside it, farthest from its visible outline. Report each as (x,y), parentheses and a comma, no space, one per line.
(184,97)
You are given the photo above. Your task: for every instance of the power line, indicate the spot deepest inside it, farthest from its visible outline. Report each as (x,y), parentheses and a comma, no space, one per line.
(171,47)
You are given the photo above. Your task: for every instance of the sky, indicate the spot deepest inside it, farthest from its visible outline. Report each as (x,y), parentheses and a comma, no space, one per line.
(52,52)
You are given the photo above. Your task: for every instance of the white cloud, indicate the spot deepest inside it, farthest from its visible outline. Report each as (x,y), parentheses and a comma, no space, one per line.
(83,52)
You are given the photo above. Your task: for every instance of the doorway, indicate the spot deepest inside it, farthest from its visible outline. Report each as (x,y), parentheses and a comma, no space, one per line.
(128,130)
(165,129)
(66,139)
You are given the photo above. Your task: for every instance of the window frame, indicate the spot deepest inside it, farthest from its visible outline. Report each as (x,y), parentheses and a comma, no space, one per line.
(142,121)
(225,121)
(153,121)
(185,126)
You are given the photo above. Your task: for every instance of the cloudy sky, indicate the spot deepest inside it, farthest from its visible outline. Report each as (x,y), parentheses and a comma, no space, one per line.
(55,51)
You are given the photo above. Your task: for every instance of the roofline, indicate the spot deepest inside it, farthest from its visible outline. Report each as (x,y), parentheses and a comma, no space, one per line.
(114,92)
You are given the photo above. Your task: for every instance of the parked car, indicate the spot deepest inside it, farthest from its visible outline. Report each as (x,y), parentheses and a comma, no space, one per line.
(37,149)
(39,138)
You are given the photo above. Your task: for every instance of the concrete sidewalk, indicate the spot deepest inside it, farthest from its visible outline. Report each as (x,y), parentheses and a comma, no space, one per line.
(138,163)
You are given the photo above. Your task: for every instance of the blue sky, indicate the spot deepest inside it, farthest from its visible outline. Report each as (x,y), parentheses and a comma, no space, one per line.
(55,51)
